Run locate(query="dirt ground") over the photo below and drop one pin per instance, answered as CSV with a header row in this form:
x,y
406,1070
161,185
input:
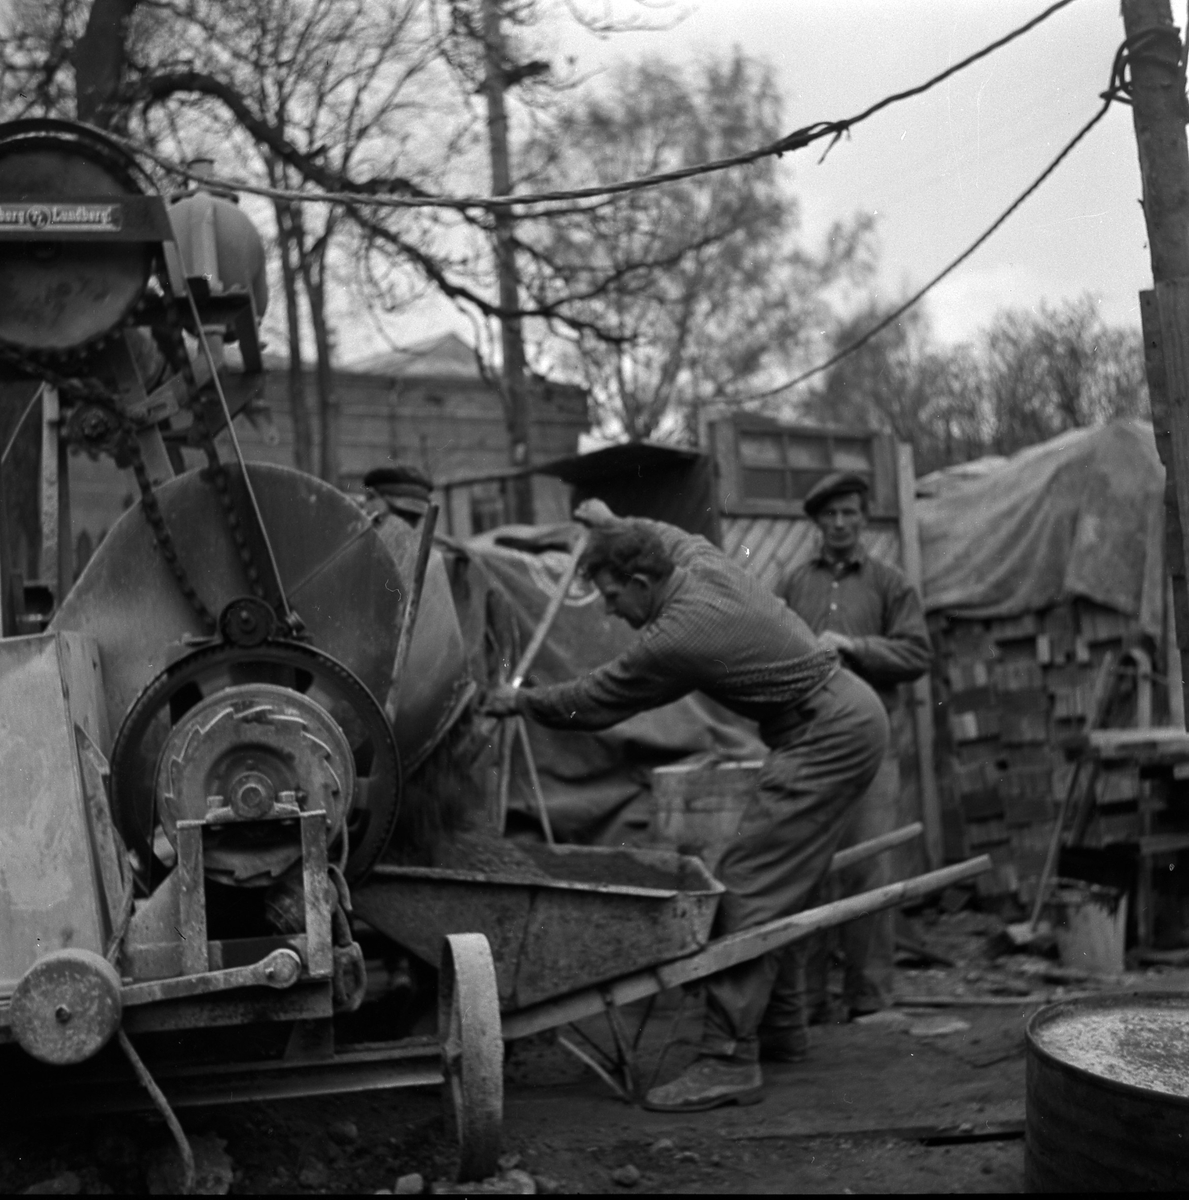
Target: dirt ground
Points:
x,y
922,1098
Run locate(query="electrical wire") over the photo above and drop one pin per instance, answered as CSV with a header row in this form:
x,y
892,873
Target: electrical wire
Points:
x,y
798,139
919,295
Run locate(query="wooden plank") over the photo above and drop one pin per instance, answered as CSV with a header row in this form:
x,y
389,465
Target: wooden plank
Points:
x,y
192,898
319,895
1164,843
50,494
1167,738
1174,543
922,689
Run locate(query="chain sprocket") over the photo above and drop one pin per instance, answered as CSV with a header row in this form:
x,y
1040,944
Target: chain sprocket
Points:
x,y
89,389
143,733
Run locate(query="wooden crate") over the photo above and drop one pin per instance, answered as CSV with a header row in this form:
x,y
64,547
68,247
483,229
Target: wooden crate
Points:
x,y
1118,784
1018,675
981,834
967,674
697,804
1014,629
1097,624
1024,717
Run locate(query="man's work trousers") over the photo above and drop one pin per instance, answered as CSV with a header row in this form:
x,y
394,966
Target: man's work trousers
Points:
x,y
806,792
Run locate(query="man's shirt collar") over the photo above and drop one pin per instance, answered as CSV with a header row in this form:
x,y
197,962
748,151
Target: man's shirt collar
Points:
x,y
855,562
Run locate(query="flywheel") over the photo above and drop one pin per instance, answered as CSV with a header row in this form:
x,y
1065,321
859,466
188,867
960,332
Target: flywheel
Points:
x,y
207,695
59,297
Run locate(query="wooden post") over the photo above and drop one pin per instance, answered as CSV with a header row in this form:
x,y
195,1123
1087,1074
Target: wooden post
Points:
x,y
516,394
922,689
1159,111
51,520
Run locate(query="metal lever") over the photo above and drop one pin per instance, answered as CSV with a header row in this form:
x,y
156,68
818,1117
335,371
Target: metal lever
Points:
x,y
280,969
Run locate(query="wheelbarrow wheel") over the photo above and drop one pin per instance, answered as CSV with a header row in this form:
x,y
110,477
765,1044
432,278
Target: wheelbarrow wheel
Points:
x,y
472,1051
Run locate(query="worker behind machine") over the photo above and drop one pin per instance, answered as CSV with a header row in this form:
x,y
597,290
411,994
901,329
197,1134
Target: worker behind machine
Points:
x,y
869,612
403,490
710,626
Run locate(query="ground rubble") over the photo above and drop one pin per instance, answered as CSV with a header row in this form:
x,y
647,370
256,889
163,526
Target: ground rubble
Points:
x,y
925,1096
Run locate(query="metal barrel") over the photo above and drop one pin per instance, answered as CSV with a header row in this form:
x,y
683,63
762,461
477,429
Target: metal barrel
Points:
x,y
1108,1095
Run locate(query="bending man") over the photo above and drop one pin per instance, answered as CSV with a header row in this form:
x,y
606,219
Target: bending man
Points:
x,y
707,625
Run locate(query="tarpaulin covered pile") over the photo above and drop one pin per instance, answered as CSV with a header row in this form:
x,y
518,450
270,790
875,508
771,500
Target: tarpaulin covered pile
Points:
x,y
1079,516
597,783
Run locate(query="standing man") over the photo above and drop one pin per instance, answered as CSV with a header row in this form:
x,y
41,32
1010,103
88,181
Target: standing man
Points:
x,y
870,613
708,625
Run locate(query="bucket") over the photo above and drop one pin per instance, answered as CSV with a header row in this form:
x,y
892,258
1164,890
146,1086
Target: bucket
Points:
x,y
1090,922
698,803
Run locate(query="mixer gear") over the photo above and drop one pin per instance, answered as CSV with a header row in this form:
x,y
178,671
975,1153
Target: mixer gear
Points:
x,y
215,672
246,753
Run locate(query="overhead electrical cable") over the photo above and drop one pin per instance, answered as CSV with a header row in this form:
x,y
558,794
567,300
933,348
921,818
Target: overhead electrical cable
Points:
x,y
1116,91
798,139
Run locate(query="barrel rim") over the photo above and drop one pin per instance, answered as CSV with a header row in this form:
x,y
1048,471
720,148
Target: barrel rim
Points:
x,y
1051,1012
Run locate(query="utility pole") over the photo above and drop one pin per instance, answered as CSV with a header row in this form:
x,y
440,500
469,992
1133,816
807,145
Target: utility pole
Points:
x,y
516,396
1160,111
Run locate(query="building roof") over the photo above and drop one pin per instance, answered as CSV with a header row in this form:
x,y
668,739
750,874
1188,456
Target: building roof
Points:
x,y
445,355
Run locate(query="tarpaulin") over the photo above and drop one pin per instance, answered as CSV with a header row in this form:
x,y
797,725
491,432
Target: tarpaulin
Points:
x,y
597,783
1081,515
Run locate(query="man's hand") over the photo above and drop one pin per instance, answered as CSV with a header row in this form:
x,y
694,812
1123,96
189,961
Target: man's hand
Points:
x,y
836,641
594,514
501,701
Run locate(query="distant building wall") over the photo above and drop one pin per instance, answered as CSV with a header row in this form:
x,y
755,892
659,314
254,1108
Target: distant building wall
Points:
x,y
449,427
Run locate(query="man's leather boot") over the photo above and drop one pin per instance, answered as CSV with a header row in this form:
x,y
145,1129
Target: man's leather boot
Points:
x,y
708,1083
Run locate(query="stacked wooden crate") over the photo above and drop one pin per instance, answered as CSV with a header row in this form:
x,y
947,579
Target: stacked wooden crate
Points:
x,y
1009,692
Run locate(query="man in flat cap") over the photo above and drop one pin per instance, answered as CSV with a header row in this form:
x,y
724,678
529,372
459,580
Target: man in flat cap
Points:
x,y
869,612
403,490
707,624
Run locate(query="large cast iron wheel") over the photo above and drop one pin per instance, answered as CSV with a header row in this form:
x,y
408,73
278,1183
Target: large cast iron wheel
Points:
x,y
472,1051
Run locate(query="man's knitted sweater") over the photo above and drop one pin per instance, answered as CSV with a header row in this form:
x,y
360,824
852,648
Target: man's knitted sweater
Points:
x,y
717,630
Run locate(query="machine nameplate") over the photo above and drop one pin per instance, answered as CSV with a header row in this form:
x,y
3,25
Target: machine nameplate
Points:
x,y
64,218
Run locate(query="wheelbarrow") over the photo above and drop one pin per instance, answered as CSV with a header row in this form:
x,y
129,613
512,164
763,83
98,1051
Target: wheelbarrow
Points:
x,y
568,945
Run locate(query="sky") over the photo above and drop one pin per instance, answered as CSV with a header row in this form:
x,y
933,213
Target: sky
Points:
x,y
936,170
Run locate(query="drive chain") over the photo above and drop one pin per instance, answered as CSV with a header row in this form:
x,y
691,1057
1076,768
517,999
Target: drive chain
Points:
x,y
93,391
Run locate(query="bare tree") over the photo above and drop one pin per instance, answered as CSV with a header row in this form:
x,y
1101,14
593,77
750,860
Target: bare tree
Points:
x,y
676,296
308,92
1026,378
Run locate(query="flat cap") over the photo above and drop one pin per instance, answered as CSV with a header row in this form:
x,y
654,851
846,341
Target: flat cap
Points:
x,y
400,480
838,483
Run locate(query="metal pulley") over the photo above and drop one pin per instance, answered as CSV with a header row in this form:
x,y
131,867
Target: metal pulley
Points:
x,y
66,1007
245,753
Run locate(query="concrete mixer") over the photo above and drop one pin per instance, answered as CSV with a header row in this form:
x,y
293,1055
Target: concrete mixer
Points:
x,y
196,760
208,843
